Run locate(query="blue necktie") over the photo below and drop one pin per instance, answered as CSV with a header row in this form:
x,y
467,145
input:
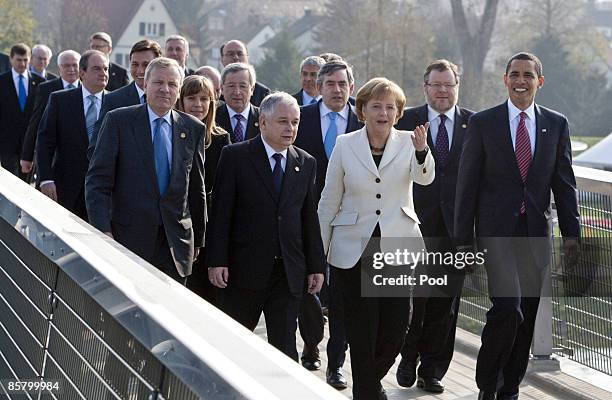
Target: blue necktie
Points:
x,y
330,135
91,116
162,164
70,86
238,131
23,97
313,100
277,173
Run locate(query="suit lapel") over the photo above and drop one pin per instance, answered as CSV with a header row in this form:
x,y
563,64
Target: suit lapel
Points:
x,y
422,117
179,134
504,141
459,128
352,123
259,157
317,133
253,124
542,127
293,169
392,148
224,120
361,148
32,86
144,143
78,109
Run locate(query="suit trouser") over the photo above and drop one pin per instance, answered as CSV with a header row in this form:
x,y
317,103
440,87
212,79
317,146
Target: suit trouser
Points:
x,y
279,306
507,335
431,332
163,260
375,328
336,344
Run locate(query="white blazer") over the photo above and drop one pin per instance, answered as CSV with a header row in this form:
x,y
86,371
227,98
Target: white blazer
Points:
x,y
357,196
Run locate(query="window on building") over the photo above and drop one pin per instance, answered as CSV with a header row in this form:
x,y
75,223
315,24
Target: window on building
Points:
x,y
141,31
162,29
119,58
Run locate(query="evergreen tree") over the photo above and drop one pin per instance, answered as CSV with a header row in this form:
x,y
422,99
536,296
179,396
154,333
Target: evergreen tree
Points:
x,y
280,68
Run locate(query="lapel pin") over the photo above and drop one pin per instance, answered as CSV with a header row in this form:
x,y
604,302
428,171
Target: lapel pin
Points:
x,y
297,169
424,170
543,130
183,135
464,126
256,123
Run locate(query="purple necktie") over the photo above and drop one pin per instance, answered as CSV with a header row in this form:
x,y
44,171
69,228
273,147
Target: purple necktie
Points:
x,y
238,130
522,149
442,142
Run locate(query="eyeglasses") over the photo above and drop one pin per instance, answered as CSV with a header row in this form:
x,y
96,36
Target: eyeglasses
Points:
x,y
438,86
233,54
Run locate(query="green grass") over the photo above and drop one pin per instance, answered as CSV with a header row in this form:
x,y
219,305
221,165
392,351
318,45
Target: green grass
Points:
x,y
589,140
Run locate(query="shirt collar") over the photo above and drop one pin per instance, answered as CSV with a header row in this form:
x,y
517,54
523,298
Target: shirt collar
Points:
x,y
86,94
244,113
66,83
153,116
270,151
139,91
306,98
433,114
324,111
43,73
16,75
514,112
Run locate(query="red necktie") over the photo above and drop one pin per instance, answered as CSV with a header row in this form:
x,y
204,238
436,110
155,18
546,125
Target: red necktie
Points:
x,y
522,150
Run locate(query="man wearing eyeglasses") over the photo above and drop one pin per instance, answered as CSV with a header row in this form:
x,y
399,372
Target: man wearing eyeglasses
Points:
x,y
431,334
234,51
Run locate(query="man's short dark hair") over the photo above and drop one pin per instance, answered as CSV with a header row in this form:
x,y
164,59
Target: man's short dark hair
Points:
x,y
333,66
146,45
529,57
21,49
84,61
441,65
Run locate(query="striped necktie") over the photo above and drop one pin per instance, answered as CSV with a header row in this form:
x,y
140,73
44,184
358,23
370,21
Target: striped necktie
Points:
x,y
522,149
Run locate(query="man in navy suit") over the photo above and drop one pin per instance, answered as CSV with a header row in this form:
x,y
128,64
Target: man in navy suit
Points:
x,y
265,250
514,155
18,89
41,57
431,335
234,51
68,63
117,75
64,134
145,183
320,123
238,115
141,54
309,68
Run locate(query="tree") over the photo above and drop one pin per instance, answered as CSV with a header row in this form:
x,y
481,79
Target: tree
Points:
x,y
474,44
16,23
79,20
280,68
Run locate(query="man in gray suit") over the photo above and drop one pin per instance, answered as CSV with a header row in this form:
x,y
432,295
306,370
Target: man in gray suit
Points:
x,y
145,183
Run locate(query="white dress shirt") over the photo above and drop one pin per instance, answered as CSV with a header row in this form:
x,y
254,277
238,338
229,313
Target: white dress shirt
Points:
x,y
244,113
26,80
306,98
270,151
165,130
434,123
341,119
139,91
530,123
86,101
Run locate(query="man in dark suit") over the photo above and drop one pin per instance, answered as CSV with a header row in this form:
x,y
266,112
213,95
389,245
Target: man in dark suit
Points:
x,y
309,68
234,51
141,54
145,183
335,84
431,334
41,57
5,63
68,63
513,156
238,115
64,134
177,48
265,246
117,75
18,88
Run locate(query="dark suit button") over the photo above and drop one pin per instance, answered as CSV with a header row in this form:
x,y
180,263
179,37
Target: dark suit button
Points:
x,y
377,212
441,202
516,214
377,180
442,174
378,196
279,218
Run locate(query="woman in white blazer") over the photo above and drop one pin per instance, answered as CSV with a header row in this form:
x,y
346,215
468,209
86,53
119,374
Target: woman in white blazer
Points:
x,y
368,194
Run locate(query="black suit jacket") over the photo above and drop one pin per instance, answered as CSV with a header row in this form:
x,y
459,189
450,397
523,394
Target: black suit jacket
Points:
x,y
123,97
61,150
310,138
46,76
44,91
248,222
298,97
435,202
13,121
122,193
117,77
5,63
490,190
213,153
222,119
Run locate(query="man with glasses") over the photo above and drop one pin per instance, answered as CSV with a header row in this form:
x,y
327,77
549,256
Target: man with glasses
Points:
x,y
235,51
238,115
68,63
117,75
431,334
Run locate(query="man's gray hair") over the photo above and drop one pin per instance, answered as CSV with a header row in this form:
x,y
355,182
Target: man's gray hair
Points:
x,y
181,38
164,62
42,47
273,100
206,70
333,66
312,61
65,53
237,67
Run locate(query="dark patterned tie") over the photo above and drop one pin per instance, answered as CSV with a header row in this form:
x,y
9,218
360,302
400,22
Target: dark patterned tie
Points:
x,y
277,173
238,130
442,142
522,149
